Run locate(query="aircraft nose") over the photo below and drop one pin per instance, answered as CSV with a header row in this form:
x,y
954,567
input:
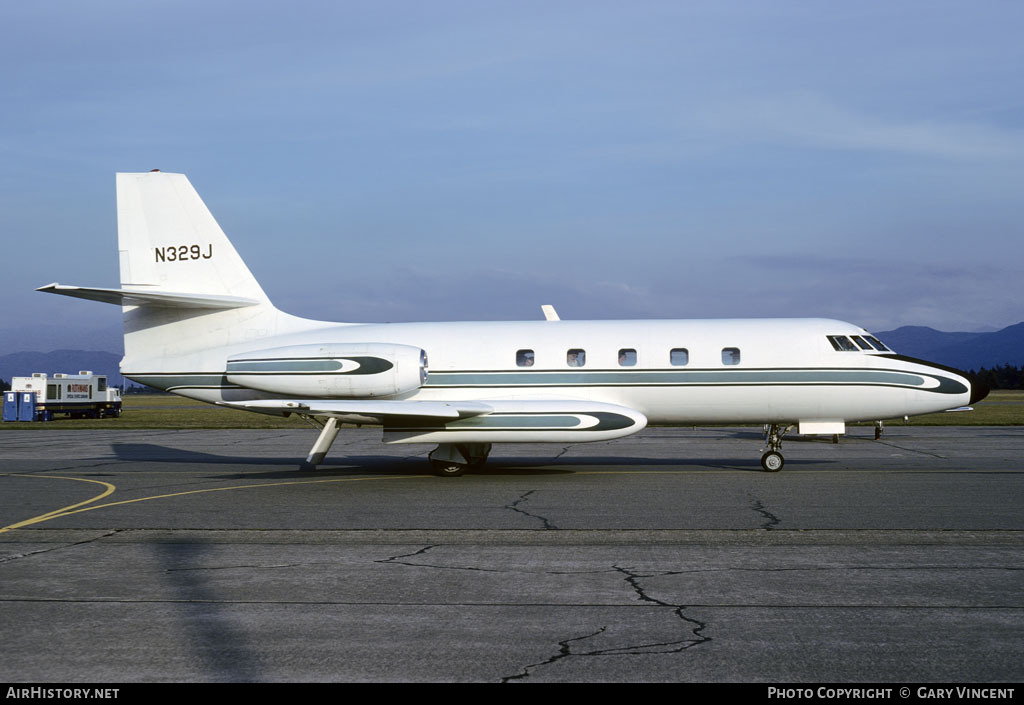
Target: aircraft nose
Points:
x,y
979,390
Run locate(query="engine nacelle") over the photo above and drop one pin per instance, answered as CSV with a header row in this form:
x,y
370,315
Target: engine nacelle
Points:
x,y
331,370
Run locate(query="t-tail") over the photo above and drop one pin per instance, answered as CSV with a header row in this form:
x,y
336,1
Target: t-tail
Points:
x,y
185,291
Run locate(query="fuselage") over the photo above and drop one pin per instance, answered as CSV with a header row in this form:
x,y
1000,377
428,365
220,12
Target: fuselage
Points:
x,y
672,371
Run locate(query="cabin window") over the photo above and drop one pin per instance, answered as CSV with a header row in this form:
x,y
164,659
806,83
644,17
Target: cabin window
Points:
x,y
842,343
52,391
876,343
860,342
576,357
679,357
627,357
730,356
524,358
101,384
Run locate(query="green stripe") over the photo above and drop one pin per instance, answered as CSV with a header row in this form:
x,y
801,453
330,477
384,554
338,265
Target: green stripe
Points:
x,y
682,378
366,366
284,366
558,378
891,378
520,421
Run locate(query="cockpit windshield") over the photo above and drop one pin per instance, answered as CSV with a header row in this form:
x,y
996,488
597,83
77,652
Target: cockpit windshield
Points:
x,y
856,343
876,343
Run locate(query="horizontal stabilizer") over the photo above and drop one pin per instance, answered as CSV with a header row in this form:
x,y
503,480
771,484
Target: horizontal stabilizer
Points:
x,y
135,297
369,408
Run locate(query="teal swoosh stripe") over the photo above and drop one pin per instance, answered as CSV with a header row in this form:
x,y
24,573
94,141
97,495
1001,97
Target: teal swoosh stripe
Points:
x,y
284,366
367,366
521,421
680,377
891,378
518,421
947,385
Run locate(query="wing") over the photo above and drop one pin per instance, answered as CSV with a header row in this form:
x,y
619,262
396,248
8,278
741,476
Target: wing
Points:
x,y
366,411
471,421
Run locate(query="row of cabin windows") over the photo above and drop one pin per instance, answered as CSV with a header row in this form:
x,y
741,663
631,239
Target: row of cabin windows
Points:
x,y
843,343
577,357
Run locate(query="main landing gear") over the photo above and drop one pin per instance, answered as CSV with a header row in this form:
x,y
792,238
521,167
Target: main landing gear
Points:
x,y
328,432
453,459
447,460
772,460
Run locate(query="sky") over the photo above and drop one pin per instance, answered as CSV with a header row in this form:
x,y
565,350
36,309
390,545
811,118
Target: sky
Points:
x,y
441,160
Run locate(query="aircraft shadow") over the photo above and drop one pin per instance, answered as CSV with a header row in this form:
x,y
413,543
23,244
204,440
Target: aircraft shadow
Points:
x,y
505,465
346,466
152,453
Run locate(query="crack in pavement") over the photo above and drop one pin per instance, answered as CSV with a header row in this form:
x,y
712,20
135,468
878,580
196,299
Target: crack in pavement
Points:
x,y
70,468
772,520
522,498
16,556
395,560
565,650
909,450
562,452
634,580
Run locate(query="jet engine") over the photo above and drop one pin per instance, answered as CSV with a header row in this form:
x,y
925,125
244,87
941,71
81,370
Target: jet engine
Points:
x,y
331,370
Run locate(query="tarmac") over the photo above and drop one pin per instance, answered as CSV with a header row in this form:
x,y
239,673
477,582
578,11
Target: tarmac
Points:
x,y
667,556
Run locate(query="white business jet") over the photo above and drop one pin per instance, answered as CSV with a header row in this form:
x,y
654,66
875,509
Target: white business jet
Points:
x,y
197,323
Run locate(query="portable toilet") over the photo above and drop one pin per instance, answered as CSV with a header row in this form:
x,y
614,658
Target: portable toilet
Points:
x,y
10,406
26,406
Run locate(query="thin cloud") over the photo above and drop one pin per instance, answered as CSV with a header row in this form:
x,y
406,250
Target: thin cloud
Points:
x,y
814,121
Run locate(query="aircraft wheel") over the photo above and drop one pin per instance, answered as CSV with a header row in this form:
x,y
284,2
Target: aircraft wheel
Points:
x,y
445,468
772,461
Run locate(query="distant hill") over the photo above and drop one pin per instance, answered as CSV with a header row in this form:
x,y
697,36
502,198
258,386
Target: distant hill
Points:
x,y
965,351
40,336
23,364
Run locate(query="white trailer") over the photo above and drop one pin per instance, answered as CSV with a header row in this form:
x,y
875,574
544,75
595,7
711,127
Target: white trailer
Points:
x,y
41,397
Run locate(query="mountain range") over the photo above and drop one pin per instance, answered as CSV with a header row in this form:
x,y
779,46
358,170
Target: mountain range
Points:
x,y
965,351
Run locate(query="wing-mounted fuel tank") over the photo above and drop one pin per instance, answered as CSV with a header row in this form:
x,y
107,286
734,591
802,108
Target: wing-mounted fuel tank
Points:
x,y
341,370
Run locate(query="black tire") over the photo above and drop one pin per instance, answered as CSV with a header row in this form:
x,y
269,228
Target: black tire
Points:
x,y
772,461
444,468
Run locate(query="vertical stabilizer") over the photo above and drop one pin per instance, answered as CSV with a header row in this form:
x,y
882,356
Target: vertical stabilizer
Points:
x,y
169,244
168,240
188,300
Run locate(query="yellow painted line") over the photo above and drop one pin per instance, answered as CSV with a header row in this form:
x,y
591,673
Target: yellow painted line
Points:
x,y
78,508
59,512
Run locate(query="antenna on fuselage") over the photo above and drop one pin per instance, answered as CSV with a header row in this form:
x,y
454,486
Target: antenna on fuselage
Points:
x,y
550,314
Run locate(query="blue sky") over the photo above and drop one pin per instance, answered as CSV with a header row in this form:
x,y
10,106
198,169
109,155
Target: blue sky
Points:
x,y
394,161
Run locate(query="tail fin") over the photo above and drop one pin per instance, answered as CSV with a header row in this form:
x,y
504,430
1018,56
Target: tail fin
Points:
x,y
187,298
169,242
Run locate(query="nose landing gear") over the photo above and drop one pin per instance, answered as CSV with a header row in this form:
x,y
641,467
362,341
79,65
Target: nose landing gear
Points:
x,y
772,460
